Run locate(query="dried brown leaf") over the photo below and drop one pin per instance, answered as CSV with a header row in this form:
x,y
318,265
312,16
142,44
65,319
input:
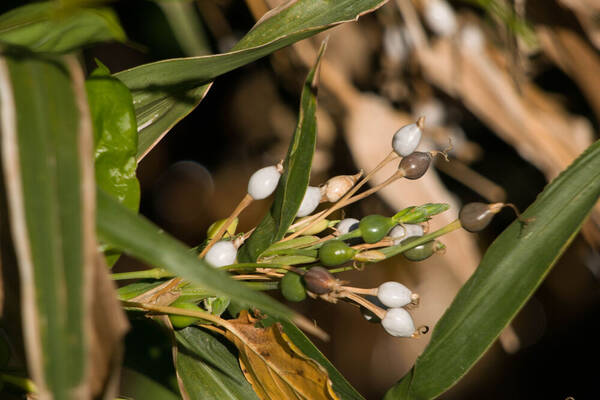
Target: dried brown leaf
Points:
x,y
274,366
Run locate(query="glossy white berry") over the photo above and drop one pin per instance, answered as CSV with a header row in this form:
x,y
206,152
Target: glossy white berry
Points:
x,y
405,231
222,253
394,294
440,17
311,200
263,182
347,225
406,139
398,322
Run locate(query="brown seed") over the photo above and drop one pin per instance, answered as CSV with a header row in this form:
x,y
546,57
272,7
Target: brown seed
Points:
x,y
319,280
474,217
414,165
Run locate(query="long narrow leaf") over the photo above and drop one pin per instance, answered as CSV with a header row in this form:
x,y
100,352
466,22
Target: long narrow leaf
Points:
x,y
208,369
511,270
50,27
47,162
294,180
134,235
166,91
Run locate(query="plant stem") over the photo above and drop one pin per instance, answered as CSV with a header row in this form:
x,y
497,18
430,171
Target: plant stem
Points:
x,y
237,211
154,273
19,381
365,303
344,200
395,250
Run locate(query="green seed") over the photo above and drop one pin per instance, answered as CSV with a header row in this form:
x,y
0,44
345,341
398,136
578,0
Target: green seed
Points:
x,y
292,288
420,252
373,228
182,321
335,252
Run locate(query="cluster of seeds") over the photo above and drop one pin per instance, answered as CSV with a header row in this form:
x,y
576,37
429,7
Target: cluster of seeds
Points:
x,y
304,264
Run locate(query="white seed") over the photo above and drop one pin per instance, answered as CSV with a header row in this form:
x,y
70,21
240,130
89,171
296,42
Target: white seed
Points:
x,y
394,294
347,225
406,139
311,200
440,17
263,182
222,253
398,322
405,231
336,187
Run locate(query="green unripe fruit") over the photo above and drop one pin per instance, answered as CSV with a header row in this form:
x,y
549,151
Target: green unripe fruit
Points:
x,y
292,288
420,252
373,228
182,321
335,252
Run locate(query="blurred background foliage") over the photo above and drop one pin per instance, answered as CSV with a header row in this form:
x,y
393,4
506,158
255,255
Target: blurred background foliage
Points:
x,y
530,78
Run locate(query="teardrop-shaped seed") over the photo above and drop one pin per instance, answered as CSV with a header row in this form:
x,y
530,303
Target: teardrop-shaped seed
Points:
x,y
475,217
415,165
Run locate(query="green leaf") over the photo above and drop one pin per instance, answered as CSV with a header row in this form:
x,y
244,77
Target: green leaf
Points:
x,y
135,385
48,27
115,136
340,385
208,369
115,141
166,91
47,160
138,237
511,270
294,181
186,25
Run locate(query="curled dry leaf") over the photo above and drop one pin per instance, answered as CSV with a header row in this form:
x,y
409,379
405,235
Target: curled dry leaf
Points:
x,y
274,366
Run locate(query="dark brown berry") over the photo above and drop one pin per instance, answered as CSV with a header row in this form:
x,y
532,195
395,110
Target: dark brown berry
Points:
x,y
414,165
319,280
474,217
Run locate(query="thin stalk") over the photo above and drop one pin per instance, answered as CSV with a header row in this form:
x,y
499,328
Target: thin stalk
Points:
x,y
397,175
21,382
154,273
246,201
343,201
251,277
299,320
251,266
368,292
395,250
365,303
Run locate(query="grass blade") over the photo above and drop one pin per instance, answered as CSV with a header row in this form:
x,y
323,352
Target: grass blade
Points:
x,y
511,270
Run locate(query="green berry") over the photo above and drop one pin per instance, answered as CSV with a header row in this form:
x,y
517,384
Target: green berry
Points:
x,y
335,252
420,252
292,288
373,228
182,321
